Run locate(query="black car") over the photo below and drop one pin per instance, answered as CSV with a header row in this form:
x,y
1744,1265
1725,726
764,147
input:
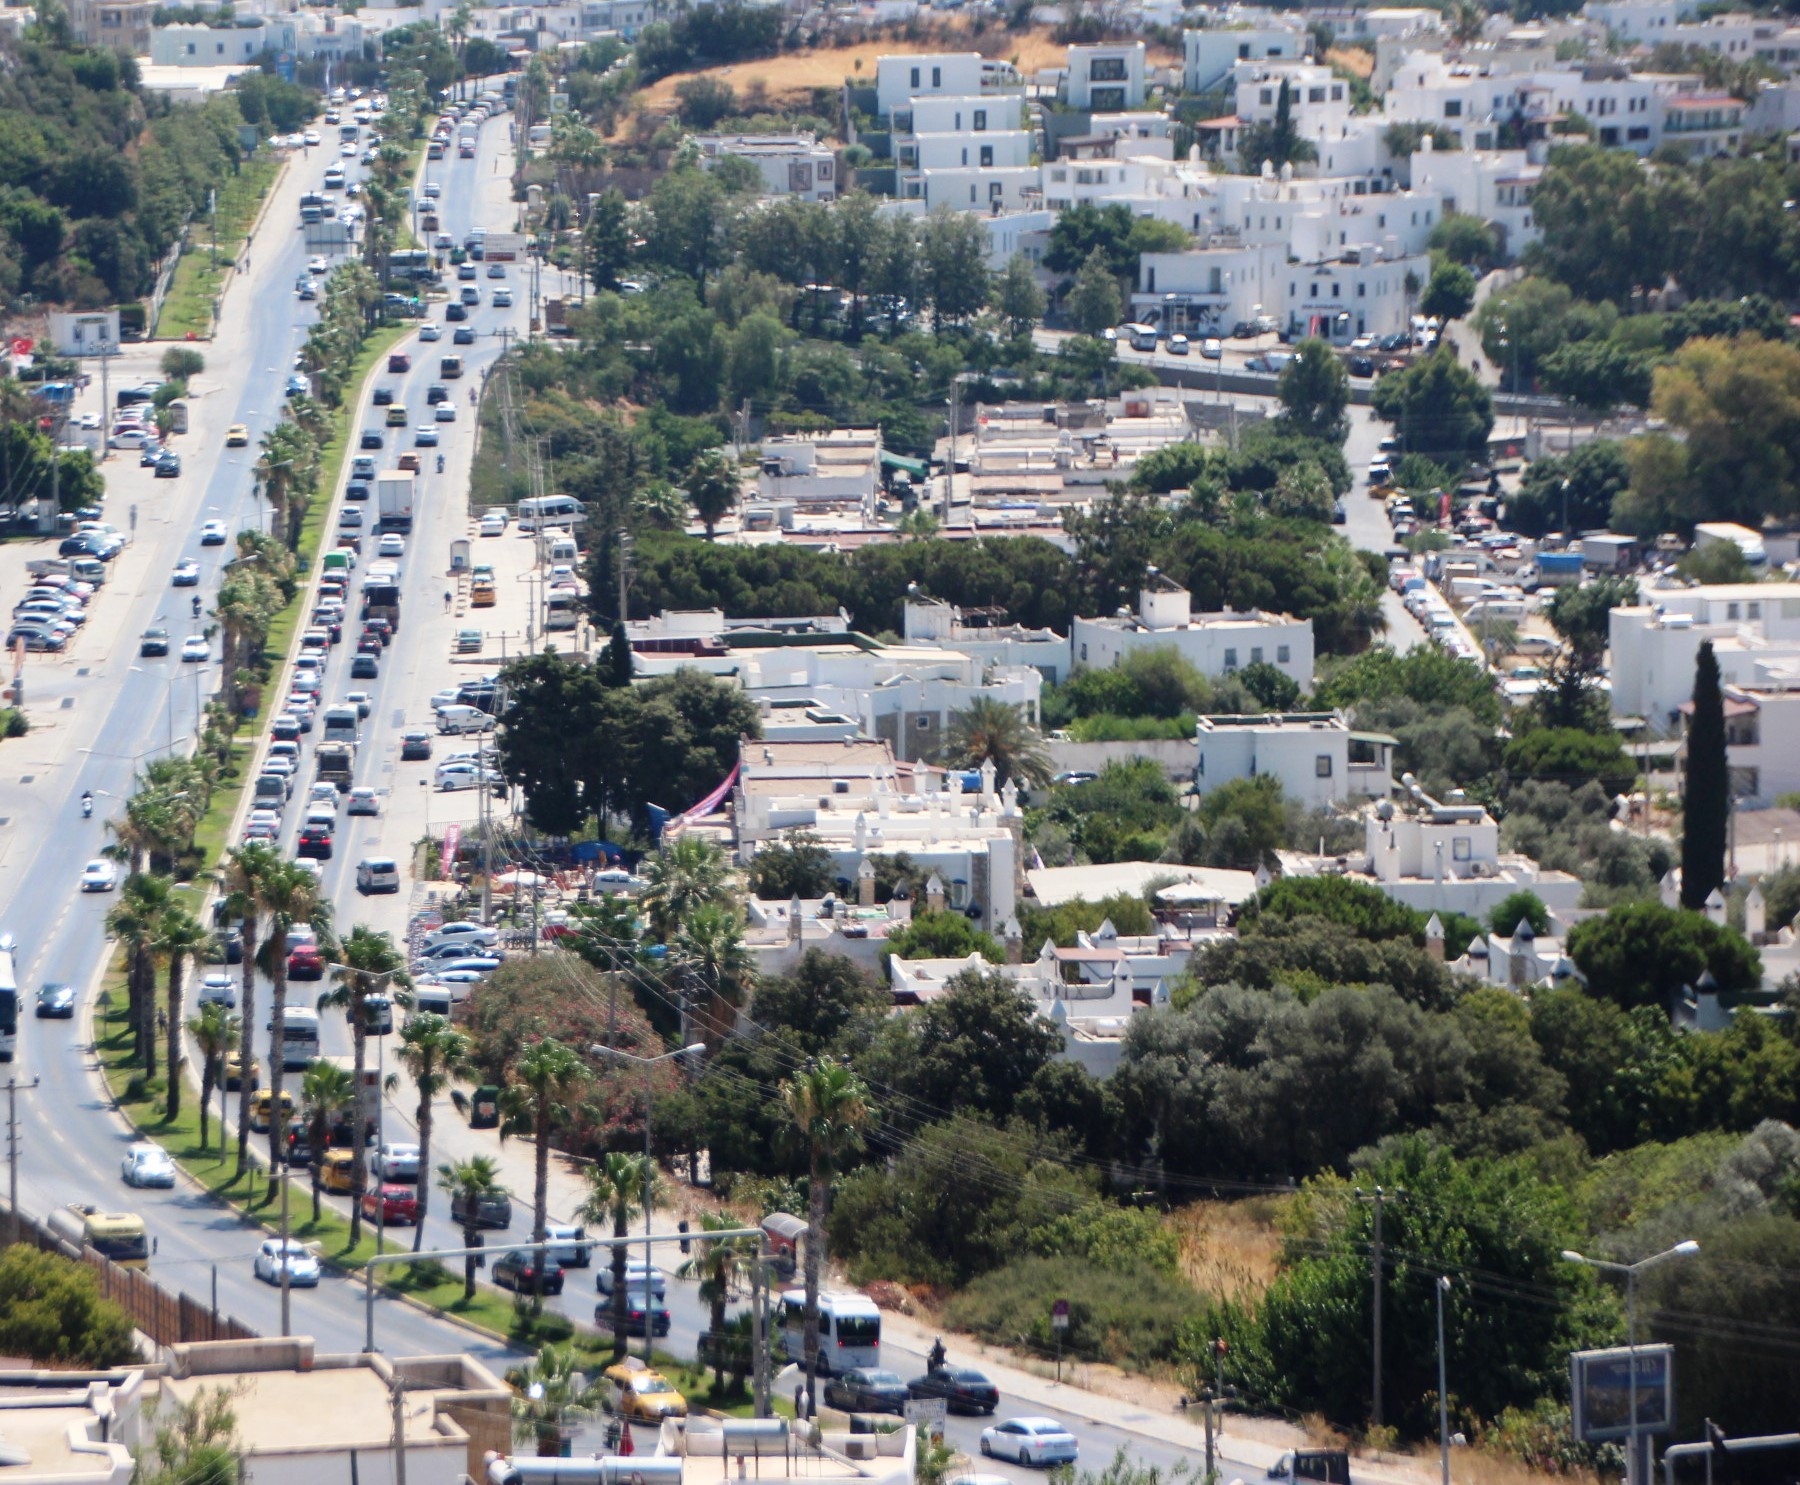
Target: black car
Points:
x,y
356,490
371,438
384,396
168,467
154,642
520,1272
492,1211
635,1315
1361,366
437,392
364,667
415,745
865,1389
56,1000
315,841
962,1388
463,336
484,698
455,312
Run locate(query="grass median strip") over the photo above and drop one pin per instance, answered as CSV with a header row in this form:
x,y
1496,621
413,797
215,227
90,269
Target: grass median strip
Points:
x,y
187,308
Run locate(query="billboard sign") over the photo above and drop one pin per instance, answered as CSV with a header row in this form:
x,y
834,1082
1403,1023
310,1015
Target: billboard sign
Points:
x,y
1602,1392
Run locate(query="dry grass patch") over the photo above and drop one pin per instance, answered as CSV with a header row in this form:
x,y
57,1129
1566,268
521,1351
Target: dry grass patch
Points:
x,y
1229,1248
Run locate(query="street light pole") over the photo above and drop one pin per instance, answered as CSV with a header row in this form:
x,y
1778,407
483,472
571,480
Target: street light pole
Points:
x,y
1443,1288
1634,1466
647,1063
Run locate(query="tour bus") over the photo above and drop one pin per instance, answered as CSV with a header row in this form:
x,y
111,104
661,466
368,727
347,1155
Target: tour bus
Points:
x,y
9,998
300,1037
849,1330
540,512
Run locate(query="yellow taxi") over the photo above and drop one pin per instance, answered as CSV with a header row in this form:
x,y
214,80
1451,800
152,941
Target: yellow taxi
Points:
x,y
260,1105
236,436
635,1392
337,1169
482,593
234,1071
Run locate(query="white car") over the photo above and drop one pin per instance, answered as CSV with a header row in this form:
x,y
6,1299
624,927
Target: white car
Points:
x,y
218,988
396,1161
493,524
196,647
462,932
430,331
635,1275
299,1261
99,875
468,776
316,265
147,1165
365,802
1037,1441
391,545
212,534
311,136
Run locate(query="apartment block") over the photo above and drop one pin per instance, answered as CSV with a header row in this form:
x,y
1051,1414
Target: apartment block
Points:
x,y
1214,643
1315,756
1105,79
1208,56
791,164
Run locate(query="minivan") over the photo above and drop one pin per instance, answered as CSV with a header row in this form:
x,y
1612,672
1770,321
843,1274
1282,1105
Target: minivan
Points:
x,y
562,548
271,791
377,874
461,719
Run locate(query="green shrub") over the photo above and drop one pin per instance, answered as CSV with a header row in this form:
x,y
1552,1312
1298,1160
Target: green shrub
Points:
x,y
51,1312
1132,1314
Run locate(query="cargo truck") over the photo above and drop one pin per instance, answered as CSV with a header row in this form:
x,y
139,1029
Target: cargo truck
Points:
x,y
381,600
336,764
394,500
556,317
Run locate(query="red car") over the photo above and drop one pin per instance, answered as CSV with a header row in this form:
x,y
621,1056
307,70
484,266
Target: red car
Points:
x,y
399,361
399,1204
305,962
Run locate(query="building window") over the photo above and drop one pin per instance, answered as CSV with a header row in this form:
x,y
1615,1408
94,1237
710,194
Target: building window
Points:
x,y
922,723
987,155
915,77
1731,611
1281,654
981,118
1106,69
1084,654
1453,108
1315,95
1461,848
1753,611
1322,766
937,77
1256,655
1231,659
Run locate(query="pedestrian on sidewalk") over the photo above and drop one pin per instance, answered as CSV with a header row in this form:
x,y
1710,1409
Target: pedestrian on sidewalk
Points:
x,y
447,600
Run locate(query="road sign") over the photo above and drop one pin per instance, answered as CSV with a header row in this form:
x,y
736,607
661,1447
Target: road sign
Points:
x,y
1059,1315
1602,1392
928,1414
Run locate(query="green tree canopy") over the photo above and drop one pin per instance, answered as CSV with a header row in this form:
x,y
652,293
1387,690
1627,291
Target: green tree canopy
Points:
x,y
1314,391
1642,953
1437,408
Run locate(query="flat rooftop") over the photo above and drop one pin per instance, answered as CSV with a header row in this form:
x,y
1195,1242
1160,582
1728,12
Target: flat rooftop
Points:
x,y
332,1407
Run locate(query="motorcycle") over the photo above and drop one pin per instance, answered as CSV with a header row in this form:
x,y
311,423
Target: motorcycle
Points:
x,y
196,607
440,464
87,806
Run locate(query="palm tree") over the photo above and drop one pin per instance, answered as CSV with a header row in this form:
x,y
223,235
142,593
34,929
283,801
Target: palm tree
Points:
x,y
180,936
991,730
291,896
550,1393
213,1029
242,879
435,1054
326,1090
545,1074
133,921
682,877
828,1106
615,1195
709,948
367,959
469,1181
716,1265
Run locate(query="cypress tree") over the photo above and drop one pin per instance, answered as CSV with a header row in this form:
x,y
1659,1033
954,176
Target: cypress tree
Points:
x,y
1706,806
618,658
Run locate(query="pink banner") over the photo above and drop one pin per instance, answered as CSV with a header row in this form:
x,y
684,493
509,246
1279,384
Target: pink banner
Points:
x,y
712,800
452,839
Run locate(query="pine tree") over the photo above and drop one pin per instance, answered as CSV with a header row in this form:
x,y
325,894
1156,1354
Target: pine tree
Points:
x,y
618,658
1706,807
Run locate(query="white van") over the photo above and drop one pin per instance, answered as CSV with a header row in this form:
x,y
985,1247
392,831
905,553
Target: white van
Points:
x,y
562,548
377,874
462,719
541,511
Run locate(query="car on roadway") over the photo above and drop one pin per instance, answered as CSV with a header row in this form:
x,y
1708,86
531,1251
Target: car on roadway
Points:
x,y
493,524
445,412
392,1206
56,1000
429,331
147,1165
961,1388
866,1389
297,385
306,962
467,271
362,468
395,416
641,1313
391,545
1211,348
528,1273
641,1395
496,270
237,436
219,988
364,802
186,574
212,534
503,299
364,667
455,313
465,335
1032,1441
372,438
314,841
396,1160
168,467
310,137
277,1255
1176,345
153,642
196,647
99,875
317,265
425,436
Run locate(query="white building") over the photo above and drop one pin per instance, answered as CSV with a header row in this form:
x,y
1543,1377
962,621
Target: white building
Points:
x,y
1105,78
1755,634
1209,56
1214,643
840,468
899,80
1314,756
1494,185
1762,735
1318,99
1646,21
985,636
791,164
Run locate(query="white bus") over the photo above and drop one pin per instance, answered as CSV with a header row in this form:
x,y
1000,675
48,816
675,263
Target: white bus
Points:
x,y
9,998
300,1037
849,1330
1142,337
540,512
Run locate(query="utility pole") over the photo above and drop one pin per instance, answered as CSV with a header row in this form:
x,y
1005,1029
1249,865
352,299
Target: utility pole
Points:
x,y
1443,1288
399,1393
1377,1198
624,569
286,1328
13,1085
